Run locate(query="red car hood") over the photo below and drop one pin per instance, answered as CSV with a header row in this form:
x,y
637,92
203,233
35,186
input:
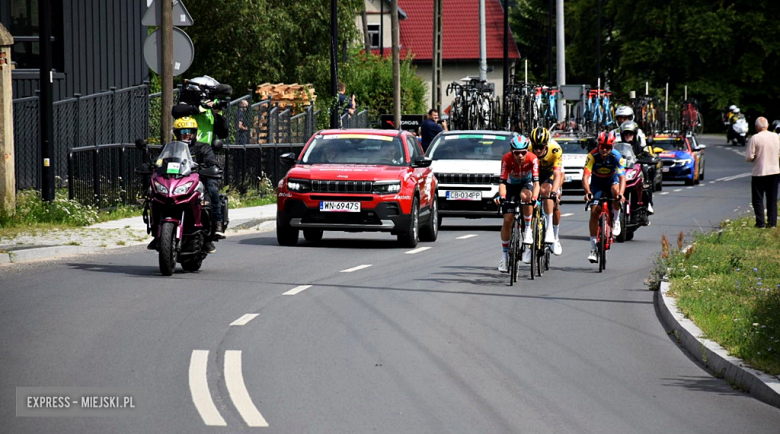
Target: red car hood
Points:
x,y
347,172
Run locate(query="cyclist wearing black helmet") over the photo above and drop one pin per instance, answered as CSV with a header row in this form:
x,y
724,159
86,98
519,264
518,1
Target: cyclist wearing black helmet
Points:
x,y
550,157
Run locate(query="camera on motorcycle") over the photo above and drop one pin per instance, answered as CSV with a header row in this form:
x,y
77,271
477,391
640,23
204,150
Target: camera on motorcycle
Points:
x,y
140,144
217,145
288,158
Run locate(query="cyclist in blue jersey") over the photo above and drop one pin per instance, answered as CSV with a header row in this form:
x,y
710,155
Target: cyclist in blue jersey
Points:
x,y
607,168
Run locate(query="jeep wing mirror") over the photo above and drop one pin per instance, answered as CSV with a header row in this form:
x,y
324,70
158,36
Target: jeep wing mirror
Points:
x,y
288,158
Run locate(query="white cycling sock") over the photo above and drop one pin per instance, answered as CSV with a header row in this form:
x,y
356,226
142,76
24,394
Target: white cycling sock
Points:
x,y
615,215
549,220
593,243
555,231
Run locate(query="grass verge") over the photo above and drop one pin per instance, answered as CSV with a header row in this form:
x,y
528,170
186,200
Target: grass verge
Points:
x,y
728,284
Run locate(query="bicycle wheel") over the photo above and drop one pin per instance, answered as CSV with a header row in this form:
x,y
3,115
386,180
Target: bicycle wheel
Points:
x,y
602,242
533,248
539,244
514,251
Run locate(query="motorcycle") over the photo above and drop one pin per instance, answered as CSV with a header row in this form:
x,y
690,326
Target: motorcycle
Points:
x,y
737,132
177,206
635,213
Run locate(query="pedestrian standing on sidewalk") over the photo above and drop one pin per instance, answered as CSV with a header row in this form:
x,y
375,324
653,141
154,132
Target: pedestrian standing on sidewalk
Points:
x,y
763,150
430,128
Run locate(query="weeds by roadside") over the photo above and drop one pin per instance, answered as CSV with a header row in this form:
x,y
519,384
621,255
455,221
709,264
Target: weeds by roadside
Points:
x,y
728,283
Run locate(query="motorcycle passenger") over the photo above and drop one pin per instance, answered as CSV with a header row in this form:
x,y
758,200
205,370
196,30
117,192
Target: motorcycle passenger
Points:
x,y
734,115
776,126
606,165
185,130
550,157
207,113
628,134
624,114
519,179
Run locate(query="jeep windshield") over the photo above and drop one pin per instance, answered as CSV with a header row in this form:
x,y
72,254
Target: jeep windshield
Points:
x,y
354,149
469,147
573,147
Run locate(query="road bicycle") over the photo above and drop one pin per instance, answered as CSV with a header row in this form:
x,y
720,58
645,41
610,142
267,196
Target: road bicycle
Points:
x,y
604,237
516,246
540,256
691,117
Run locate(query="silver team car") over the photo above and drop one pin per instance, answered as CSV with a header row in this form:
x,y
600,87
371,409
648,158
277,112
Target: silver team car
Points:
x,y
467,165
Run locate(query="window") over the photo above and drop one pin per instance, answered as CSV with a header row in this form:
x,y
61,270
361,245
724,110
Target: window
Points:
x,y
373,34
23,25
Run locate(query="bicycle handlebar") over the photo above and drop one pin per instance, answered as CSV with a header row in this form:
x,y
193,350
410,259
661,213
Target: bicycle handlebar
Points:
x,y
601,199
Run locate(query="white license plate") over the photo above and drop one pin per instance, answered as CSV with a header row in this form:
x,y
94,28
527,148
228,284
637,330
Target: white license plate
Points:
x,y
464,195
665,169
340,206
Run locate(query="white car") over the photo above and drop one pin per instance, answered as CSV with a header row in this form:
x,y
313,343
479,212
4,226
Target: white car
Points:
x,y
467,165
575,152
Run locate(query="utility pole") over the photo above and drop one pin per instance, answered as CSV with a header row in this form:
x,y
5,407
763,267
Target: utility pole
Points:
x,y
482,43
396,65
598,40
436,56
506,55
167,71
561,51
550,12
382,28
45,102
334,68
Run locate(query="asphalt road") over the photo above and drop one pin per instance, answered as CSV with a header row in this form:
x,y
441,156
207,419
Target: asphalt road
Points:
x,y
428,342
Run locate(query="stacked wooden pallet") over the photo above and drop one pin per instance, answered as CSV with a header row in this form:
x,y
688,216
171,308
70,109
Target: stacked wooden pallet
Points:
x,y
295,96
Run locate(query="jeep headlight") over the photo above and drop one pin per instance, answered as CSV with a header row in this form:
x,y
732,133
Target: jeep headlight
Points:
x,y
298,185
387,187
160,188
182,188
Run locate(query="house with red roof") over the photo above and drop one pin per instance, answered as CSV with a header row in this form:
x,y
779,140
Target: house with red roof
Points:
x,y
460,38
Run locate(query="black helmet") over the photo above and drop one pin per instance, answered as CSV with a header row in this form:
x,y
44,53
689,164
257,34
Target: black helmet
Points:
x,y
776,126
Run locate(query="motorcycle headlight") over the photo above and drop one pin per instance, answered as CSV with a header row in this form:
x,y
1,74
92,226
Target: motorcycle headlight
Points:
x,y
299,185
160,188
182,188
387,187
630,176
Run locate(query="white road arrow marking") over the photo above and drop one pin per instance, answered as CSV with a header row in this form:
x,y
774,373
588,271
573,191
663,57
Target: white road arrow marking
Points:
x,y
359,267
297,289
234,379
244,319
199,389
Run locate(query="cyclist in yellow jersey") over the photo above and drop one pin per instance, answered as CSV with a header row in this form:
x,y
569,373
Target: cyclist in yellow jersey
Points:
x,y
551,176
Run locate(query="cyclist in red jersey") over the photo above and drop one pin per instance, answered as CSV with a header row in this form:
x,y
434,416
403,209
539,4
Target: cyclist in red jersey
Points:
x,y
519,179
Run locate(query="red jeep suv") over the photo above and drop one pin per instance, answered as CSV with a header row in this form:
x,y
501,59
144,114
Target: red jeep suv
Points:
x,y
356,181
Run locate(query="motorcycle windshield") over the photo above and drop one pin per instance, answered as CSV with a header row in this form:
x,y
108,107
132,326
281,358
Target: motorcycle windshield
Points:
x,y
174,160
627,152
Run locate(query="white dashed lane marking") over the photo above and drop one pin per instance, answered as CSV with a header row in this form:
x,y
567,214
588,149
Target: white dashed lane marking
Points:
x,y
568,214
297,289
359,267
244,319
666,192
465,237
234,379
418,250
677,189
199,389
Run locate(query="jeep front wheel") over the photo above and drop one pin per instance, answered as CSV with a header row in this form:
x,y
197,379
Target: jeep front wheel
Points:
x,y
411,236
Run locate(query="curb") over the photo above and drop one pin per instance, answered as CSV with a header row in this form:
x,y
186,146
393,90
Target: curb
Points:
x,y
763,387
55,252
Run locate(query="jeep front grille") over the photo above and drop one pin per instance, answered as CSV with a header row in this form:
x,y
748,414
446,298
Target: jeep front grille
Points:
x,y
467,178
342,186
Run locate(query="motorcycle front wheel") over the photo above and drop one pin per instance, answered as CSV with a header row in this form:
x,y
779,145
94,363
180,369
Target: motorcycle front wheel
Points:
x,y
167,256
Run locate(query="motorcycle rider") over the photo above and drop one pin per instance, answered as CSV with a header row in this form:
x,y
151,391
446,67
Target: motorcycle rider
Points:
x,y
624,114
735,115
185,130
776,126
629,134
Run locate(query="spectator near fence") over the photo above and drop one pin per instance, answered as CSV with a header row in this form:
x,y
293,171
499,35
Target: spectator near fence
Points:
x,y
244,119
763,150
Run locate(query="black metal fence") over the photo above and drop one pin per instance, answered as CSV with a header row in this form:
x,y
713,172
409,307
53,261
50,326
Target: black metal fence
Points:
x,y
85,124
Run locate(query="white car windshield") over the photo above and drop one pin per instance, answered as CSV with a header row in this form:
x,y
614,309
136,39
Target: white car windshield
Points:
x,y
355,149
469,147
572,147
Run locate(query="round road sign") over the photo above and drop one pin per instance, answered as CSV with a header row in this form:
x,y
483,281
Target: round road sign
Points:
x,y
183,51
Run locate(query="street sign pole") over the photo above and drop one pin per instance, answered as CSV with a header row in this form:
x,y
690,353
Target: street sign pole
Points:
x,y
334,69
167,71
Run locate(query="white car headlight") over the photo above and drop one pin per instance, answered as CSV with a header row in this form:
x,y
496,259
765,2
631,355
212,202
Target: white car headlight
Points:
x,y
683,162
160,188
182,188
